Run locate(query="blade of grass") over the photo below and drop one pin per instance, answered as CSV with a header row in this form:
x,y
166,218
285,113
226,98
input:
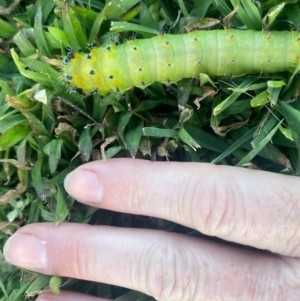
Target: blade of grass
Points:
x,y
258,147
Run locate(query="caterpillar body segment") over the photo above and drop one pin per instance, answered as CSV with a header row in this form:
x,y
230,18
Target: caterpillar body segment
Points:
x,y
168,58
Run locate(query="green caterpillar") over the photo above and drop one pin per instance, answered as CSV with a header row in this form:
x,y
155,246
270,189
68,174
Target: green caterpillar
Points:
x,y
168,58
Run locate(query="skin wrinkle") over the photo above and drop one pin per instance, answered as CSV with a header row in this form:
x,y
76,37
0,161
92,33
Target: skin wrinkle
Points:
x,y
136,268
223,212
153,278
267,236
284,231
200,205
132,194
168,271
237,199
280,289
203,208
132,176
252,228
195,215
173,281
131,271
181,266
293,239
67,266
207,206
186,278
217,209
185,199
191,282
254,289
285,217
171,286
237,203
172,201
294,270
294,242
78,265
196,273
172,269
252,225
139,195
248,276
250,287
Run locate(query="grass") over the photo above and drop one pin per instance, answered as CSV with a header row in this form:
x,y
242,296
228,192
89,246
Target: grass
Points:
x,y
45,131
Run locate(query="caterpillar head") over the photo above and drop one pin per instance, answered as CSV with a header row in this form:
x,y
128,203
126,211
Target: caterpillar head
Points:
x,y
80,72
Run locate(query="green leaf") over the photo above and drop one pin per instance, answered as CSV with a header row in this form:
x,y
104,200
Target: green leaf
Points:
x,y
41,78
146,18
112,151
9,121
287,133
188,139
96,26
59,35
115,8
85,145
61,211
258,147
40,282
293,13
53,151
133,137
124,26
185,87
264,130
242,88
248,13
245,138
274,89
292,118
206,140
260,99
273,13
159,133
183,8
123,122
36,125
39,33
222,7
147,105
7,31
23,43
14,135
37,177
200,8
72,28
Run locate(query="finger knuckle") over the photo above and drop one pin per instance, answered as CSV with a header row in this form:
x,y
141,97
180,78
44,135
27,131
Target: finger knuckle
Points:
x,y
216,203
171,272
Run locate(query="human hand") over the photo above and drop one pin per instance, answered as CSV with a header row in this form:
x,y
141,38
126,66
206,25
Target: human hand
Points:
x,y
250,207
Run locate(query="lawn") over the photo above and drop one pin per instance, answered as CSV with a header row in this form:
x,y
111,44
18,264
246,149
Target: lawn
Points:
x,y
49,125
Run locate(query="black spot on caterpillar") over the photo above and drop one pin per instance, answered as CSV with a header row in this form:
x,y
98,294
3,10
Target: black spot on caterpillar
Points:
x,y
169,58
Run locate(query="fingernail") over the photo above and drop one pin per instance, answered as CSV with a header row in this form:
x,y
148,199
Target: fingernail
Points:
x,y
26,251
84,186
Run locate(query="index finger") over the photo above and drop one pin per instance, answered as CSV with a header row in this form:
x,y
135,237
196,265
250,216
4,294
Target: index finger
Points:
x,y
251,207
